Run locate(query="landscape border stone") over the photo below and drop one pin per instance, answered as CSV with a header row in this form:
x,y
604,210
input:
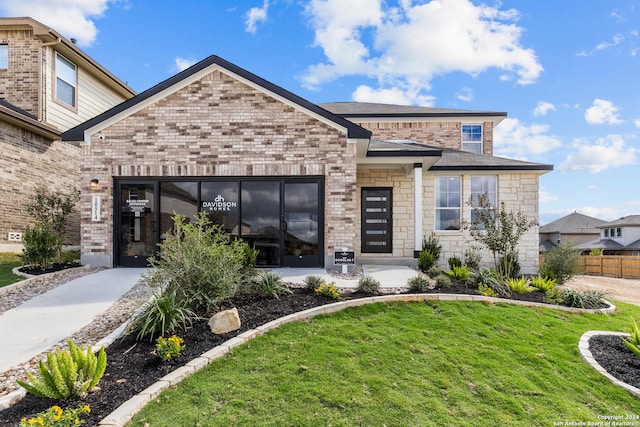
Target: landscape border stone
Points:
x,y
125,412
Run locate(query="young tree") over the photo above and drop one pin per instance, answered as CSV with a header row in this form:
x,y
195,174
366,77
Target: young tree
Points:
x,y
500,231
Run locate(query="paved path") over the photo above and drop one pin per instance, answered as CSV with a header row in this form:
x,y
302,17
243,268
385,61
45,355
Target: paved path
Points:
x,y
625,290
389,276
45,320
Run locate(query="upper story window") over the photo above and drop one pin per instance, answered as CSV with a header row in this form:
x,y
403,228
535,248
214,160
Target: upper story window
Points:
x,y
618,232
606,232
4,56
482,186
66,80
448,202
472,138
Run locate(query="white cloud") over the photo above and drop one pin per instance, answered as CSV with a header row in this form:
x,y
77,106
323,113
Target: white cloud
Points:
x,y
71,18
406,46
542,108
546,197
512,138
465,94
637,123
617,39
256,15
602,112
181,64
605,153
391,96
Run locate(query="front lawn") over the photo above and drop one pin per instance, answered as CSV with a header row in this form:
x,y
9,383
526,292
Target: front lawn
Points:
x,y
400,364
9,261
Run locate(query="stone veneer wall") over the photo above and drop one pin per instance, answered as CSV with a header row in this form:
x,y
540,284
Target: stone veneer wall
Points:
x,y
219,126
19,83
519,192
27,162
434,134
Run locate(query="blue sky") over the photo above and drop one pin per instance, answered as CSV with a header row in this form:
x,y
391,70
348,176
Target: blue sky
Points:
x,y
566,72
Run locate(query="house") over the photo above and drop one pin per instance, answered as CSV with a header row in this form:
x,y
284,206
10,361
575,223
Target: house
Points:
x,y
299,181
47,86
573,229
618,237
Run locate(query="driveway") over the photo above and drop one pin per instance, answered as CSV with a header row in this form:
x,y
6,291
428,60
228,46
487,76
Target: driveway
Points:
x,y
625,290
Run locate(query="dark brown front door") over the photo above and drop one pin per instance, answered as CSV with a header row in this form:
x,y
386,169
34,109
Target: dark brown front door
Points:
x,y
376,220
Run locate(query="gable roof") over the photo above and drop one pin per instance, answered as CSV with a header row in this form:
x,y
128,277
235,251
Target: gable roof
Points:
x,y
629,220
371,109
454,160
78,133
574,223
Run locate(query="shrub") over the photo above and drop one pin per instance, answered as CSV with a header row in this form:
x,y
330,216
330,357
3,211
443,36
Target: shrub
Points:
x,y
368,285
454,261
329,290
426,260
487,279
169,348
313,282
162,315
509,266
543,284
40,245
486,291
473,257
582,298
432,244
561,263
66,373
458,273
271,285
595,252
633,342
57,417
199,262
418,284
519,286
433,272
443,281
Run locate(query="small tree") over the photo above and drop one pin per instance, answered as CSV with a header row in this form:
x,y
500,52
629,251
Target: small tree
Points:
x,y
500,231
51,210
561,263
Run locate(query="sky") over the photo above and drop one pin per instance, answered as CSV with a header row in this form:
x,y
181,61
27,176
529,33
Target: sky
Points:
x,y
566,72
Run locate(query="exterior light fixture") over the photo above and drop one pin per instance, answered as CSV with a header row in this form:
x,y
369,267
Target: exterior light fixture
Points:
x,y
94,183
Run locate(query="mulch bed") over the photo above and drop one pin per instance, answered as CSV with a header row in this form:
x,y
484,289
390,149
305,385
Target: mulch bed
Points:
x,y
614,356
132,366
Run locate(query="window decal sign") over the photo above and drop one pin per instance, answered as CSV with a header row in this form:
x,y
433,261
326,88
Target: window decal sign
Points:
x,y
219,204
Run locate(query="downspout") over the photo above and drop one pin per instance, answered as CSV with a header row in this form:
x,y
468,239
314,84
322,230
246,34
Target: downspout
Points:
x,y
42,90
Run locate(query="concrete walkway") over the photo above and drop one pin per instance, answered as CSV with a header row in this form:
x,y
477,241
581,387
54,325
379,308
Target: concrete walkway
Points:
x,y
36,325
389,276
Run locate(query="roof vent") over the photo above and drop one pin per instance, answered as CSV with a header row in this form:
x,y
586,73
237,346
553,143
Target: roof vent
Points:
x,y
73,41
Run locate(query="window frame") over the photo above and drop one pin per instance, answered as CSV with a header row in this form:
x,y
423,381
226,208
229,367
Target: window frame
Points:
x,y
61,59
439,197
491,192
4,55
474,142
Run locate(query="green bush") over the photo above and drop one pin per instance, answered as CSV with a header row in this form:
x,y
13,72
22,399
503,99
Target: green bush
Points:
x,y
595,252
633,342
329,290
200,263
66,373
581,298
426,260
432,244
443,281
543,284
509,266
270,285
368,285
458,273
487,279
162,315
41,245
418,284
169,348
561,263
313,282
454,261
519,286
473,257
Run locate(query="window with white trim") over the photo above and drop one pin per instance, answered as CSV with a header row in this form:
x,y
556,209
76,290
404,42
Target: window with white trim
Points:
x,y
472,138
448,202
482,186
66,80
4,56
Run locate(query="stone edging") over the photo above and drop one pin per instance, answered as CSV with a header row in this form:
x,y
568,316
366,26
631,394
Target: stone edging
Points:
x,y
125,412
583,346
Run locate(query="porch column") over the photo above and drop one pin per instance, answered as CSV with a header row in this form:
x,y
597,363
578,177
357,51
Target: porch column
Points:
x,y
417,209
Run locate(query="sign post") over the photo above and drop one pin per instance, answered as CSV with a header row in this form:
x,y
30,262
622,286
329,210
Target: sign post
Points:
x,y
344,258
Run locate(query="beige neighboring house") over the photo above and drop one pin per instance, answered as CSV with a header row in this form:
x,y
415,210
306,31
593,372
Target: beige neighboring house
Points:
x,y
301,182
572,229
618,237
47,86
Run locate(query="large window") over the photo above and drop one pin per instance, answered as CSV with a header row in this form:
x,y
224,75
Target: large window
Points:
x,y
482,186
448,202
472,138
66,81
4,56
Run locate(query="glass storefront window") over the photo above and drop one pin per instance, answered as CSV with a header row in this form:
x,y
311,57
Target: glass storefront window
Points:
x,y
178,197
221,201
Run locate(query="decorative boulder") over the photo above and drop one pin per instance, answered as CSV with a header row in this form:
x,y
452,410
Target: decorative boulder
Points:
x,y
225,321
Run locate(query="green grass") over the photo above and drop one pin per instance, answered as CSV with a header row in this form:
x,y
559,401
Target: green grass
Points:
x,y
8,262
419,364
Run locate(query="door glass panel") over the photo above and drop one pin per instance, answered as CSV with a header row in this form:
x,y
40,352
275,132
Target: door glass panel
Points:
x,y
261,219
221,202
137,223
178,197
301,214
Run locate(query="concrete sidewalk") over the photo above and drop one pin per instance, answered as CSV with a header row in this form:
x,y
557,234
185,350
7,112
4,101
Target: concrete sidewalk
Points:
x,y
36,325
389,276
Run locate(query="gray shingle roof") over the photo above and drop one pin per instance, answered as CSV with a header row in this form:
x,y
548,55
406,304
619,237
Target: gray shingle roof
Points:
x,y
370,109
628,220
453,160
600,244
572,224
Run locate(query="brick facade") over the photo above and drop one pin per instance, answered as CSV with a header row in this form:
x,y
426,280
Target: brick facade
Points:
x,y
28,162
19,84
219,126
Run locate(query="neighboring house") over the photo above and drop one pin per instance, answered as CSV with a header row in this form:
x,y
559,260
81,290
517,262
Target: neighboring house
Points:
x,y
297,180
572,229
47,85
619,237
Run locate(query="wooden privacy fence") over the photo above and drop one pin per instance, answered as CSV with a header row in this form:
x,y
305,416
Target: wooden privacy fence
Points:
x,y
625,267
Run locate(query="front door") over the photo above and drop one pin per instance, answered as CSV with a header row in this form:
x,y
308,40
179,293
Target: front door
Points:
x,y
137,224
376,220
301,224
